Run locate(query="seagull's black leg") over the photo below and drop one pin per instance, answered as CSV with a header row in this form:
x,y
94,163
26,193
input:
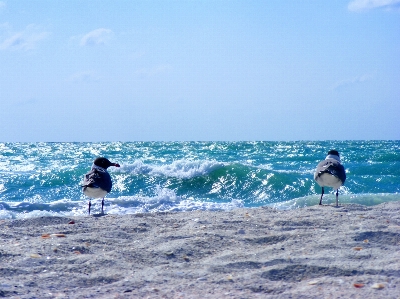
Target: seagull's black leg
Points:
x,y
322,194
90,204
102,205
337,195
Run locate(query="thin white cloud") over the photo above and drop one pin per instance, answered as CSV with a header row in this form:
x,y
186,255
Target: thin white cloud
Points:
x,y
85,76
5,26
96,37
354,80
24,40
361,5
28,102
148,72
137,54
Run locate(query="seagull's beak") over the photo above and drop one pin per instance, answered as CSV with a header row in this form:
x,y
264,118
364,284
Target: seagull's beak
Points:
x,y
115,164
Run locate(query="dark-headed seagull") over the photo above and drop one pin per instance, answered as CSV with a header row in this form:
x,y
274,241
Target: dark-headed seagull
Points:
x,y
97,182
330,173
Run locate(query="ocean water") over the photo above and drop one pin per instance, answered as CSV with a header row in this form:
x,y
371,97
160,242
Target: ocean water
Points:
x,y
43,179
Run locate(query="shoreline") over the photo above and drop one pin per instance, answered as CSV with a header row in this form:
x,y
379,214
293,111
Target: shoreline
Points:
x,y
318,251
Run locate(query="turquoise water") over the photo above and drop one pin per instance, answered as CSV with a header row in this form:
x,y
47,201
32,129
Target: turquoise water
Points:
x,y
39,179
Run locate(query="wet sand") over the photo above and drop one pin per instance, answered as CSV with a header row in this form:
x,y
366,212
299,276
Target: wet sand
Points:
x,y
351,251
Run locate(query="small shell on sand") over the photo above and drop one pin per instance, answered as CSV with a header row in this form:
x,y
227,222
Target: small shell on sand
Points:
x,y
366,241
358,285
313,282
35,256
48,236
59,235
378,286
357,248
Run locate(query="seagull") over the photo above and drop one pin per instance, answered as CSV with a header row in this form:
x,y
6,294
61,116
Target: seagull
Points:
x,y
330,173
97,182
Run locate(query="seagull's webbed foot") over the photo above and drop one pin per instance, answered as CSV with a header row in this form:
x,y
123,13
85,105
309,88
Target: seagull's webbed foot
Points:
x,y
102,206
90,204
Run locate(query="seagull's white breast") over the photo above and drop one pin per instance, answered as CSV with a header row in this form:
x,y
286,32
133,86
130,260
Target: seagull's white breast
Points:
x,y
94,192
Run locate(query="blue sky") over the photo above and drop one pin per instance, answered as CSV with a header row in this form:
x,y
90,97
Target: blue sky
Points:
x,y
187,70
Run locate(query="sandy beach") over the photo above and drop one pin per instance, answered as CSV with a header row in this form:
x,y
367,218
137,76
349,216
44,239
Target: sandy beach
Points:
x,y
350,251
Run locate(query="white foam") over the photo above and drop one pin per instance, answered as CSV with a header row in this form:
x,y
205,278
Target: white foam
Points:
x,y
164,200
183,169
367,199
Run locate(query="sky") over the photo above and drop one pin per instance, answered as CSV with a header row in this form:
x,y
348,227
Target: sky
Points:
x,y
199,70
